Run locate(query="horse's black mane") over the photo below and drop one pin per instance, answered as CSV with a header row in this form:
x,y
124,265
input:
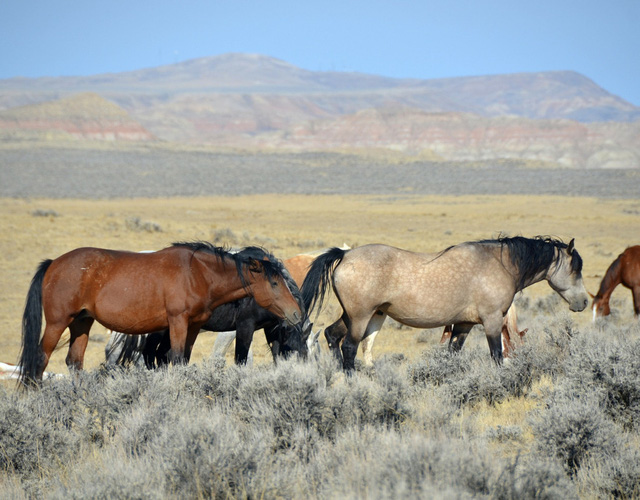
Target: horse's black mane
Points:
x,y
259,253
245,257
533,255
203,246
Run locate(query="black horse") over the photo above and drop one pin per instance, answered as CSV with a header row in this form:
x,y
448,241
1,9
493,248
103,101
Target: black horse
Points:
x,y
244,316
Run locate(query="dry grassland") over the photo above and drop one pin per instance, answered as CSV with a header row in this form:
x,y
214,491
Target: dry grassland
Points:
x,y
33,230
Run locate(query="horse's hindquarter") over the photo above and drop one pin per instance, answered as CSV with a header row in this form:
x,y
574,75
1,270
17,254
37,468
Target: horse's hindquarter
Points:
x,y
298,267
127,291
630,268
423,290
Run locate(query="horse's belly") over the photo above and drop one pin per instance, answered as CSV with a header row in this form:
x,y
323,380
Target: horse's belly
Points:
x,y
132,313
433,317
132,325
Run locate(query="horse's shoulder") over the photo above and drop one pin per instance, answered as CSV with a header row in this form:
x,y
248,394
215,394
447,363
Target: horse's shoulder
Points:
x,y
632,252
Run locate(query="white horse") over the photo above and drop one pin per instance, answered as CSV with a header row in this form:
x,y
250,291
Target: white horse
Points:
x,y
9,371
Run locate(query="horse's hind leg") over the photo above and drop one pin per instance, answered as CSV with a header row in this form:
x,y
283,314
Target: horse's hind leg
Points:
x,y
222,343
458,336
50,338
367,348
446,333
334,335
79,329
374,326
357,331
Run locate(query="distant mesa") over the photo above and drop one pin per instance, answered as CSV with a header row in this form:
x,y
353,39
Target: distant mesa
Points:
x,y
80,116
558,118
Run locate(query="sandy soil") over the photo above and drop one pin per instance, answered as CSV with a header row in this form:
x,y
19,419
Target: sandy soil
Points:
x,y
37,228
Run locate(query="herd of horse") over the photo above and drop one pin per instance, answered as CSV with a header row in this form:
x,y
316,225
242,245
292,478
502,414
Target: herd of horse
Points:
x,y
156,303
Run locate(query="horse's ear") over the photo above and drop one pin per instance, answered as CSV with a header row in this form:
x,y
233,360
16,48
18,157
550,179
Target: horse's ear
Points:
x,y
591,295
255,266
571,246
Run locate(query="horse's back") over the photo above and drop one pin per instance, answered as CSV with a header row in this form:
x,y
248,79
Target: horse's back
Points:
x,y
298,267
630,266
114,287
439,288
101,264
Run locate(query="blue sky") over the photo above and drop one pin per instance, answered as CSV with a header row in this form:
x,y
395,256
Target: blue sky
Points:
x,y
398,38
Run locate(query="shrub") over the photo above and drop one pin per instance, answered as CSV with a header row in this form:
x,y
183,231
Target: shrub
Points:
x,y
138,225
611,369
32,437
616,477
573,429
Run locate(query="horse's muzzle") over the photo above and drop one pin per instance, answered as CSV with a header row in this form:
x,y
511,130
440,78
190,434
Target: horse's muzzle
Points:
x,y
295,319
579,305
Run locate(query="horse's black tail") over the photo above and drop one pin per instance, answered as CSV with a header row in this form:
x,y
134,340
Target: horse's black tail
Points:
x,y
129,350
31,354
123,349
318,279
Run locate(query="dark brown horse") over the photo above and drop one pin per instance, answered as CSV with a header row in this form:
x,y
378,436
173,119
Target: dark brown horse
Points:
x,y
625,271
136,293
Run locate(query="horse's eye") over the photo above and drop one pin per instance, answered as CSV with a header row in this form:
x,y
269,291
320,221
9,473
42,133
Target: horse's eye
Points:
x,y
274,284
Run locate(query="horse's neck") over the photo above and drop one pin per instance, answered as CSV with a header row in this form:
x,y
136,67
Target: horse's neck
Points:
x,y
225,285
612,279
503,256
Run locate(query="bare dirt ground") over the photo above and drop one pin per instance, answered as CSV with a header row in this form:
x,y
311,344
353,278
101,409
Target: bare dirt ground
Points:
x,y
52,201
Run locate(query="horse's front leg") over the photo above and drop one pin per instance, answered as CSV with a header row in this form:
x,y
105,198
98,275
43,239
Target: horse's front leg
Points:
x,y
178,331
493,330
272,334
636,301
192,334
244,337
79,330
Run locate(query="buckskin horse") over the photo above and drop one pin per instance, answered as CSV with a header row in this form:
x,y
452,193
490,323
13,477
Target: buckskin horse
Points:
x,y
338,330
625,271
466,284
136,293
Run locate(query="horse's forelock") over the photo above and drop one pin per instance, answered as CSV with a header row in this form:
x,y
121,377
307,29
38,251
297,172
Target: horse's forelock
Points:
x,y
576,262
270,265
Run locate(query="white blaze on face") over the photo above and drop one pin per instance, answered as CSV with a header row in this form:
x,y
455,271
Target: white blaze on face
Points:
x,y
595,313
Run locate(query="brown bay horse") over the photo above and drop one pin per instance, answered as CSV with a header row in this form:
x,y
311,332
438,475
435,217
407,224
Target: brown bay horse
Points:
x,y
625,271
467,284
136,293
234,321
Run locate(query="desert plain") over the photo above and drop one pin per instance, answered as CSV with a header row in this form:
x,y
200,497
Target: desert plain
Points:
x,y
63,212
